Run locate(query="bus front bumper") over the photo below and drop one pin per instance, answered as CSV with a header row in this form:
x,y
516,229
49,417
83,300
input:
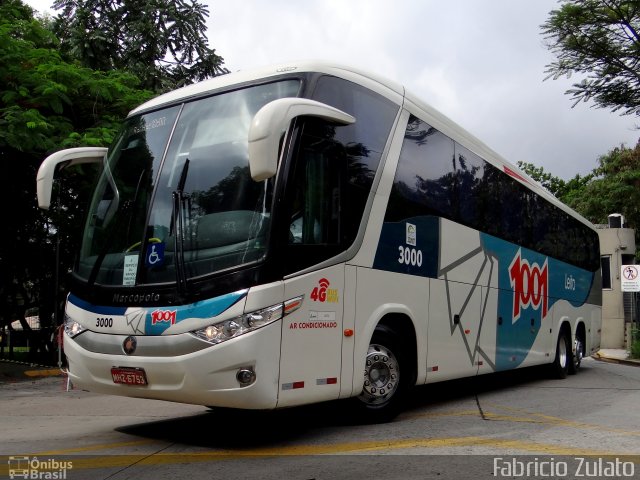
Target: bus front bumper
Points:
x,y
208,376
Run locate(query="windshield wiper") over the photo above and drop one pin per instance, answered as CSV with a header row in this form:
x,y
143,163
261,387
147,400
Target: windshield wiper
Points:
x,y
178,228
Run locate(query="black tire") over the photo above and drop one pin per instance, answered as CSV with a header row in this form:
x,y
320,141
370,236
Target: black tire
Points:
x,y
560,366
388,378
576,356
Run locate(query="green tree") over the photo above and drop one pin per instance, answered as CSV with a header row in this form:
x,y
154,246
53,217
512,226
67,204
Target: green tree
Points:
x,y
46,103
564,190
615,188
600,41
612,187
163,42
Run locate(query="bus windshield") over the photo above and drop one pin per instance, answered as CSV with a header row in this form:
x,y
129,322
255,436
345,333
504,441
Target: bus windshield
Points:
x,y
175,197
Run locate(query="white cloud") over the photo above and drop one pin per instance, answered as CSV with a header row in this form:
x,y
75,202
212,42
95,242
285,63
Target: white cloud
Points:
x,y
481,62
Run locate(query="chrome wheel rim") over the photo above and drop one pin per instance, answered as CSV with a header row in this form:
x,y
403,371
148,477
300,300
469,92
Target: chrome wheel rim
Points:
x,y
381,376
562,353
578,355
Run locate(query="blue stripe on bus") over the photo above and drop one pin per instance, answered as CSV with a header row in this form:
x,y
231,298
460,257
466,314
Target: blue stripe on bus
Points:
x,y
515,334
89,307
209,308
203,309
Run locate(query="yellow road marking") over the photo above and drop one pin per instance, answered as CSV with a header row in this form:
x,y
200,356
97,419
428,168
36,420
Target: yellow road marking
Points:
x,y
43,373
525,417
121,461
551,420
113,460
98,447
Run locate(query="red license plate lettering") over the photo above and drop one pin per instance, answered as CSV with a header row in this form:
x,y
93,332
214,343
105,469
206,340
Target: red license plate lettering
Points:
x,y
129,376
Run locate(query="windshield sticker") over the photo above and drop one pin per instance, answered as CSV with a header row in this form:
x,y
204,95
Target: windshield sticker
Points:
x,y
150,124
154,257
130,269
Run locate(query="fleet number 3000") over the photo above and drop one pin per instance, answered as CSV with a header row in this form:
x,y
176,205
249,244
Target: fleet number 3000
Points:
x,y
410,256
104,322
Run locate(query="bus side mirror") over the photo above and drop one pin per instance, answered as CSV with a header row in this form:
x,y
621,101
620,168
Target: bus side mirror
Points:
x,y
70,156
271,122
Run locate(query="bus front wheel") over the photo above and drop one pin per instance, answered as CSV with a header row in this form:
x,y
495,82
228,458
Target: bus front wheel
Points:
x,y
386,378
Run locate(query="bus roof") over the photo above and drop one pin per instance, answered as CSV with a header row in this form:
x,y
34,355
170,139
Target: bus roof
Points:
x,y
389,89
392,90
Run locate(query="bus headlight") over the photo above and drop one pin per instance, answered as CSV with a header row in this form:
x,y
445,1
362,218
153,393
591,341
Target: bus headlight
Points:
x,y
234,327
71,327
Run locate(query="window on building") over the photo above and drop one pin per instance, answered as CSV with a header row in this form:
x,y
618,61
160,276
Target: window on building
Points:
x,y
605,261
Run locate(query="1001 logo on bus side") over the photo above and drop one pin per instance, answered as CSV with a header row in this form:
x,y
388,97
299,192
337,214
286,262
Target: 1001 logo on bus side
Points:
x,y
530,284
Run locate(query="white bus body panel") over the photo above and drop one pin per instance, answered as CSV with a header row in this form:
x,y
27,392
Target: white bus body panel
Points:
x,y
311,359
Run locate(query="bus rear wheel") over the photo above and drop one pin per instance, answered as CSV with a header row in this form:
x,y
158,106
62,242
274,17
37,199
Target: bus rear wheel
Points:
x,y
576,357
560,366
386,379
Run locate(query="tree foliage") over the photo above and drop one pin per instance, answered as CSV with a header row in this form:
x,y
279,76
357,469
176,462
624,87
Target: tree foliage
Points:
x,y
615,188
47,103
600,41
164,42
612,187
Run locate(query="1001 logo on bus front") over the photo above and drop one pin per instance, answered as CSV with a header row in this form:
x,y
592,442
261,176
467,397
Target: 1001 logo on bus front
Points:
x,y
163,316
530,284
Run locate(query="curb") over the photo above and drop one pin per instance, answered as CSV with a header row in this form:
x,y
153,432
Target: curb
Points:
x,y
620,361
50,372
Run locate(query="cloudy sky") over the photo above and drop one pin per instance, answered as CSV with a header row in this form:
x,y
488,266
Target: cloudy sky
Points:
x,y
480,62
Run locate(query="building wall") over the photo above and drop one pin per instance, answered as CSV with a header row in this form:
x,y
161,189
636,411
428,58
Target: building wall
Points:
x,y
619,245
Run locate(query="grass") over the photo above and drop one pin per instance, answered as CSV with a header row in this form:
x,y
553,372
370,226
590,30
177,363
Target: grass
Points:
x,y
635,343
20,354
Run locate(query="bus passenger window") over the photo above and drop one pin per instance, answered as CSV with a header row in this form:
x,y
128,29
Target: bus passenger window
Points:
x,y
315,218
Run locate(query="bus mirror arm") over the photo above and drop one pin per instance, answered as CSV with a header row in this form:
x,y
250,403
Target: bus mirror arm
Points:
x,y
273,120
65,158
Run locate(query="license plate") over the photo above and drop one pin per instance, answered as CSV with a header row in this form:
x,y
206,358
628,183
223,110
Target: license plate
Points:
x,y
129,376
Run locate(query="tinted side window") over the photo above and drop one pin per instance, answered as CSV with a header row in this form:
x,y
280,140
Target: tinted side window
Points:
x,y
473,207
363,141
317,196
436,176
425,178
332,171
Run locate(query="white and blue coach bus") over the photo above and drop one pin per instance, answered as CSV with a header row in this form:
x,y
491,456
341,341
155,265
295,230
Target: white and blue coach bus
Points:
x,y
310,232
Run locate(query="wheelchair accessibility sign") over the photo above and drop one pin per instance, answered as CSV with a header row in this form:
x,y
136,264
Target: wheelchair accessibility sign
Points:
x,y
630,278
154,256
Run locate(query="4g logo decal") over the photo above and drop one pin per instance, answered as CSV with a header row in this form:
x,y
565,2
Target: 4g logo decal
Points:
x,y
322,293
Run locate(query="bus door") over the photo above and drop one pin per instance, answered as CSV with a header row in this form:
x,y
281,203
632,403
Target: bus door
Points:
x,y
311,353
314,206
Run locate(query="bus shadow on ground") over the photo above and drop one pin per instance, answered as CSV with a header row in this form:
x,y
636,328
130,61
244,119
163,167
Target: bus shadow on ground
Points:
x,y
238,430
